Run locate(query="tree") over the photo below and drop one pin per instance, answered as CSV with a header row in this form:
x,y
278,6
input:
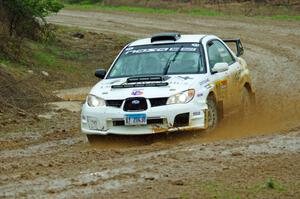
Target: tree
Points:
x,y
20,16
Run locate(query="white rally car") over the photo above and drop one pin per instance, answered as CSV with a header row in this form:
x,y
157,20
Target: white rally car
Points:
x,y
168,82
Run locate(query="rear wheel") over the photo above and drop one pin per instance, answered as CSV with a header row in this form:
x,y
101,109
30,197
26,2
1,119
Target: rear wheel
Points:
x,y
212,116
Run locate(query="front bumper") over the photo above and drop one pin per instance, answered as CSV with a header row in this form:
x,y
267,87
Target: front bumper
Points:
x,y
110,120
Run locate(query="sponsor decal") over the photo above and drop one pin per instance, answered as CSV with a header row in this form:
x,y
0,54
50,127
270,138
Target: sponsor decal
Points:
x,y
222,84
173,82
199,94
137,92
185,78
151,50
130,48
105,86
204,81
208,86
196,113
222,88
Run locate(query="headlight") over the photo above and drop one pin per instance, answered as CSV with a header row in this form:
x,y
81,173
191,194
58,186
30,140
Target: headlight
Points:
x,y
182,98
94,101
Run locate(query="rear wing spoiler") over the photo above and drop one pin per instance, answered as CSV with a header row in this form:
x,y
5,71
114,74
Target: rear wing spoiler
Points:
x,y
238,44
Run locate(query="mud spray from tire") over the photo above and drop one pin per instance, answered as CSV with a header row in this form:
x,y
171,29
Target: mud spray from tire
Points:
x,y
274,111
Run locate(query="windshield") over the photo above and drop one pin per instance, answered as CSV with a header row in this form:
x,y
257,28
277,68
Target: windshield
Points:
x,y
159,60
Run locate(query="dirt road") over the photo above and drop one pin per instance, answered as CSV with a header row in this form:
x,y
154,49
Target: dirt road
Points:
x,y
53,159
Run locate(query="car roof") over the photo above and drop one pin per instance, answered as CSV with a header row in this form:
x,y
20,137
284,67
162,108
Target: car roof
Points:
x,y
181,39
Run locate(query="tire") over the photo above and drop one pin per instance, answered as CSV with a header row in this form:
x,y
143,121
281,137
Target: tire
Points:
x,y
247,104
92,138
212,116
104,141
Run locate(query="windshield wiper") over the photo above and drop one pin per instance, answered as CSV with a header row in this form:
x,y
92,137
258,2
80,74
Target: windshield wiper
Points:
x,y
168,64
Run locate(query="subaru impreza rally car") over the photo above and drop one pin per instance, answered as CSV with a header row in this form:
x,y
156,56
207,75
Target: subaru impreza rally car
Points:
x,y
168,82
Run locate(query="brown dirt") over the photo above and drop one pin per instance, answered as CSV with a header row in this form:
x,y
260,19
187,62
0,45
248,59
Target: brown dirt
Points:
x,y
50,158
17,93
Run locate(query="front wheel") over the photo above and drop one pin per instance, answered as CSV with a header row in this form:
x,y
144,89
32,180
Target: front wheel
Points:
x,y
92,138
212,116
247,104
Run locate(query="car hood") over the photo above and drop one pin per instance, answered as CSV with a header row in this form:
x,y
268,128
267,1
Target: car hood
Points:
x,y
176,84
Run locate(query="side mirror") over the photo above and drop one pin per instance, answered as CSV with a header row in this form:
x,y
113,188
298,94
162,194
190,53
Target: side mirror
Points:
x,y
100,73
220,67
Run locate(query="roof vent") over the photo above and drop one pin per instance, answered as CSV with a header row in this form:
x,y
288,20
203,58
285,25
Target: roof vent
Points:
x,y
165,37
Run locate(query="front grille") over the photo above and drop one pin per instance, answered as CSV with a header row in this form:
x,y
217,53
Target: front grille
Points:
x,y
155,121
119,123
114,103
158,101
135,104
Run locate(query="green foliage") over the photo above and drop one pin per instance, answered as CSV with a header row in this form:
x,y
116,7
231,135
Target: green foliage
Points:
x,y
31,8
195,11
23,15
21,19
272,184
277,9
83,1
217,190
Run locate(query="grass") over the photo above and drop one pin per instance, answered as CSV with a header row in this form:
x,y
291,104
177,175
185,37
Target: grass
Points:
x,y
66,58
193,11
217,190
280,17
45,59
220,190
51,57
273,184
16,68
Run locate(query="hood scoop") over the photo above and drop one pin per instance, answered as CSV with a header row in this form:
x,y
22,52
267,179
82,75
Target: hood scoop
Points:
x,y
143,81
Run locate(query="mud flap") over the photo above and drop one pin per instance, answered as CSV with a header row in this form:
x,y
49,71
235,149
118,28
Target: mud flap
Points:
x,y
220,110
206,119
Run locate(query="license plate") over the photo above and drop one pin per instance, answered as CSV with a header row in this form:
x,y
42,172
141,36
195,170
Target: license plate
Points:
x,y
93,123
135,119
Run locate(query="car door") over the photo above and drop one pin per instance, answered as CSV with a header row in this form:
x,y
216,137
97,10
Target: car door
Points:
x,y
224,81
